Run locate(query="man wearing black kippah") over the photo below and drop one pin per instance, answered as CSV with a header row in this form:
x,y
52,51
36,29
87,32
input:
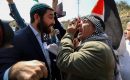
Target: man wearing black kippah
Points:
x,y
31,59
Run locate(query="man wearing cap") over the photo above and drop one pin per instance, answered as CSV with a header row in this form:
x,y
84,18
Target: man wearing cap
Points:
x,y
93,58
31,60
20,21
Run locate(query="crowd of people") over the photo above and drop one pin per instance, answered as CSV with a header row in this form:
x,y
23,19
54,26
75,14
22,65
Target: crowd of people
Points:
x,y
44,50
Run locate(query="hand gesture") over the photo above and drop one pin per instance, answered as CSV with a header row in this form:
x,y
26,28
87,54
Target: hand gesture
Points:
x,y
10,1
54,4
53,48
73,26
28,70
75,42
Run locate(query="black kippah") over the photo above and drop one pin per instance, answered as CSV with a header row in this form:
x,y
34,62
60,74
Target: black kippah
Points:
x,y
39,6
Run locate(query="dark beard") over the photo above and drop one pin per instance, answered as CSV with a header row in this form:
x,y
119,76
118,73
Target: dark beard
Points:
x,y
43,28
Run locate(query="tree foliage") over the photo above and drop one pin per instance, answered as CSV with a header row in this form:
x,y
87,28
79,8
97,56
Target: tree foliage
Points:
x,y
124,12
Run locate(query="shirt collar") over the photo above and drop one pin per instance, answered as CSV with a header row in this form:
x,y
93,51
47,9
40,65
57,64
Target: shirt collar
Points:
x,y
34,31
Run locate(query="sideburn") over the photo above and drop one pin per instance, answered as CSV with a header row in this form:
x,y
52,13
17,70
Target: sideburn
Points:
x,y
43,28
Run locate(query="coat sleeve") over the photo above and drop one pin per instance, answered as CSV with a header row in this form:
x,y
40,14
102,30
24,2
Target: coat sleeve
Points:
x,y
88,60
58,26
15,14
8,57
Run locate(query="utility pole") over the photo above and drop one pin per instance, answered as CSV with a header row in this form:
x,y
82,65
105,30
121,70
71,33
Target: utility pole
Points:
x,y
78,8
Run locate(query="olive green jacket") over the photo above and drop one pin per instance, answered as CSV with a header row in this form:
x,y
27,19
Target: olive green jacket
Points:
x,y
93,60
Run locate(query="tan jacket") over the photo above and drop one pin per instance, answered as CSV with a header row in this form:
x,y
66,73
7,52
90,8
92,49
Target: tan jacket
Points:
x,y
94,60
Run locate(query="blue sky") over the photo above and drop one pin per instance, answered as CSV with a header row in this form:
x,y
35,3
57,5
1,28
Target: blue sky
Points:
x,y
70,8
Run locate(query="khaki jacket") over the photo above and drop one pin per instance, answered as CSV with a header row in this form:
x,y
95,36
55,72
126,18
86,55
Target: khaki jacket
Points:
x,y
93,60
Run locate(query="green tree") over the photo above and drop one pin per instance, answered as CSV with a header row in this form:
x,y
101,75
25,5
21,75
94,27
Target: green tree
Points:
x,y
124,12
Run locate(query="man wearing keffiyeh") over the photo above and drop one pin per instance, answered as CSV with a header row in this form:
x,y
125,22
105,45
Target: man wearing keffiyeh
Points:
x,y
93,58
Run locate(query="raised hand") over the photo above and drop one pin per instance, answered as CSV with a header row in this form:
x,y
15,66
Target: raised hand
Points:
x,y
73,26
9,1
54,4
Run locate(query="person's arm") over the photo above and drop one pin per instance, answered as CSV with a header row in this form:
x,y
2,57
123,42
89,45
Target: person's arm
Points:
x,y
85,62
57,24
8,56
54,4
28,70
15,14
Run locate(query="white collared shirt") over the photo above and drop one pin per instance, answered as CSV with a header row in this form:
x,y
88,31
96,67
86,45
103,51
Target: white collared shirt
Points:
x,y
43,45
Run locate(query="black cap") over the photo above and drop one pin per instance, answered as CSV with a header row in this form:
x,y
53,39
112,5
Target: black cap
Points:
x,y
39,6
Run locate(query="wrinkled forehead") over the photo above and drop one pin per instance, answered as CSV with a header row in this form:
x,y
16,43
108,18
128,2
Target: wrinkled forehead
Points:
x,y
128,25
50,12
91,19
87,21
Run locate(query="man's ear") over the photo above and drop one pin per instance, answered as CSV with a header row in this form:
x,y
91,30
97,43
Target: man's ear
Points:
x,y
37,18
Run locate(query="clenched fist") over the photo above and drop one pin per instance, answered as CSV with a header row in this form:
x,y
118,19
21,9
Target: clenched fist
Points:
x,y
28,70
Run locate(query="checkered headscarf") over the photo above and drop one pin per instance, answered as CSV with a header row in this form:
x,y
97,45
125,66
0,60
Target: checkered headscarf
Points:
x,y
99,32
97,22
